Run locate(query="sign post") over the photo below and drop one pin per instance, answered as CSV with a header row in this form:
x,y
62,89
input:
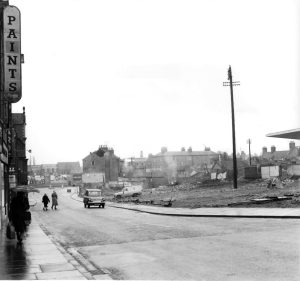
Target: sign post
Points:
x,y
10,85
12,53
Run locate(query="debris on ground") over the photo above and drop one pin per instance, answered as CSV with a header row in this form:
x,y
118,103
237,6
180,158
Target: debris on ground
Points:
x,y
276,192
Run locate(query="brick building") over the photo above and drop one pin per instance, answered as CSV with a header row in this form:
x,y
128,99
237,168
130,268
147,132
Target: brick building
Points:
x,y
18,159
292,155
104,161
135,167
43,169
68,168
179,164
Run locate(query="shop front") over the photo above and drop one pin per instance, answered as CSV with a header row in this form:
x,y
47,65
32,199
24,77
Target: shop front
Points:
x,y
3,175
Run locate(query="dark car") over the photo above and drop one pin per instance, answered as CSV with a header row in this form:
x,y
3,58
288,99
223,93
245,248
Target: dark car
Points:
x,y
93,197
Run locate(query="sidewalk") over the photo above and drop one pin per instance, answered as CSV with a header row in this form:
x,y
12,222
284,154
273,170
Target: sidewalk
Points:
x,y
38,258
279,213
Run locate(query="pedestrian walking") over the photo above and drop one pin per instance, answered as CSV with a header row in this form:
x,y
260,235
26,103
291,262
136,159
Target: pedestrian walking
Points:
x,y
18,208
54,200
45,200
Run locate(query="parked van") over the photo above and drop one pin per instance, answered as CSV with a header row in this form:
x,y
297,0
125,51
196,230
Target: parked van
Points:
x,y
134,190
93,197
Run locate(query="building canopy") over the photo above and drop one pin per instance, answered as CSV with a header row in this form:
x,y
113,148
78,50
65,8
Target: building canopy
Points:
x,y
289,134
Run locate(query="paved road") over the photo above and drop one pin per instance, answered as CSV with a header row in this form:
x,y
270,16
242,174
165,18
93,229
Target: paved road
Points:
x,y
133,245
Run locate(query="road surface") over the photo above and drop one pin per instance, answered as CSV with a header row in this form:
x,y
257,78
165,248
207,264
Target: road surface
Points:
x,y
134,245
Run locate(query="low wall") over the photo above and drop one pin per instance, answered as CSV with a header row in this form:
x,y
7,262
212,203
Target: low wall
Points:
x,y
270,172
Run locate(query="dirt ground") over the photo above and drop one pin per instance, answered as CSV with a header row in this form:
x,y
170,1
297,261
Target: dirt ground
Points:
x,y
222,194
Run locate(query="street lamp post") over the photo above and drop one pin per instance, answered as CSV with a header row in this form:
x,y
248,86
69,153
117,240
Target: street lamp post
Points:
x,y
29,151
231,84
29,171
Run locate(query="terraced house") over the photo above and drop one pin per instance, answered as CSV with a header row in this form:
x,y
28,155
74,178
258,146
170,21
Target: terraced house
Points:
x,y
179,164
292,155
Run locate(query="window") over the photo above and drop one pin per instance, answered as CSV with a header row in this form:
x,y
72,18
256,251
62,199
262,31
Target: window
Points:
x,y
94,193
93,163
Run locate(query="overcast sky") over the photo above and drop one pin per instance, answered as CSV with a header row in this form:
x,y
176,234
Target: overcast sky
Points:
x,y
139,75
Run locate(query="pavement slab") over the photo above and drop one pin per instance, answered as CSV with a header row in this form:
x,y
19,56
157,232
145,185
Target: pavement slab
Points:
x,y
20,277
23,270
41,250
51,267
61,275
37,261
102,277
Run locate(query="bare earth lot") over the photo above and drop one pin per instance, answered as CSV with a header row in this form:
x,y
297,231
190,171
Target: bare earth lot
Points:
x,y
222,194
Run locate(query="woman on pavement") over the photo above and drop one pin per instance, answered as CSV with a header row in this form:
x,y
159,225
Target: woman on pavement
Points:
x,y
18,207
45,200
54,200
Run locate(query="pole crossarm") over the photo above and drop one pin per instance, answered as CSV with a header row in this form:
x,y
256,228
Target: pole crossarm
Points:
x,y
234,83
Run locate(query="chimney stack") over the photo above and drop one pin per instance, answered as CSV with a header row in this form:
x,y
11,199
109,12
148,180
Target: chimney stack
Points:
x,y
273,148
292,145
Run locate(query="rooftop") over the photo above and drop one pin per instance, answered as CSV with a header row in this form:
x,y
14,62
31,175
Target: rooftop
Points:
x,y
186,153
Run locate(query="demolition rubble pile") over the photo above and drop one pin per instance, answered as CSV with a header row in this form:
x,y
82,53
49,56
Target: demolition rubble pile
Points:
x,y
276,189
278,183
276,192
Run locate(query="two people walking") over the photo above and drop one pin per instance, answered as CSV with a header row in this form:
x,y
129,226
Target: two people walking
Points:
x,y
19,214
46,201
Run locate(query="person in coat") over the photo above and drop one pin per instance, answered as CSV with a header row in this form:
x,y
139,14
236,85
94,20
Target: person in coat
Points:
x,y
18,207
45,200
54,200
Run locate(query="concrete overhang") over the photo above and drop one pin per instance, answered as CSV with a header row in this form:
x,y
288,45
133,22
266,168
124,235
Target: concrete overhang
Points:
x,y
290,134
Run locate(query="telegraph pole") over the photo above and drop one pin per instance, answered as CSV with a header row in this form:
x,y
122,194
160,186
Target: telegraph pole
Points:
x,y
249,142
231,84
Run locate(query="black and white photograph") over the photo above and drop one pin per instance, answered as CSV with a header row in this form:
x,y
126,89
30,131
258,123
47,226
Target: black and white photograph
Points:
x,y
150,140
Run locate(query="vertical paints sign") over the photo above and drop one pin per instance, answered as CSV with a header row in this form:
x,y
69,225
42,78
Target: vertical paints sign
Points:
x,y
12,53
